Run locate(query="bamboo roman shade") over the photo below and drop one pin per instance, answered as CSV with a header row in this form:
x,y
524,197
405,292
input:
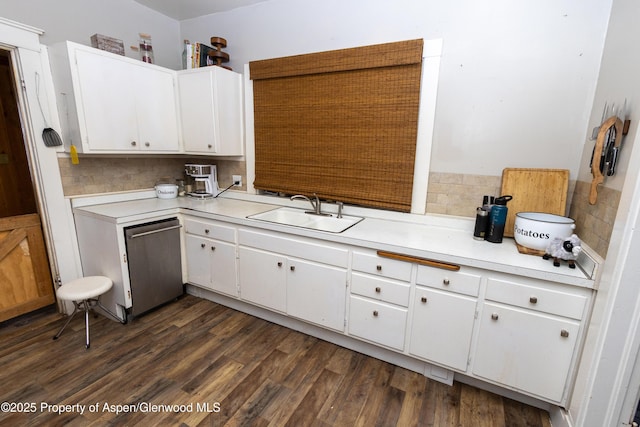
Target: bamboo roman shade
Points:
x,y
342,124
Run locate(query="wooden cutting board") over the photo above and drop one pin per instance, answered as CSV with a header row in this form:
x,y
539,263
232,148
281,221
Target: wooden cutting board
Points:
x,y
534,190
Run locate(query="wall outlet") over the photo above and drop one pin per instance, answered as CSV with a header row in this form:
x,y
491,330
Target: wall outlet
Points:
x,y
237,180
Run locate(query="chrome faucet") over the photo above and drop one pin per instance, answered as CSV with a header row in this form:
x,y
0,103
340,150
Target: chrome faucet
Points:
x,y
315,203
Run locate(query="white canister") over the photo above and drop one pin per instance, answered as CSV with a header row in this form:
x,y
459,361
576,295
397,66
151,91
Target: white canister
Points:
x,y
166,191
535,230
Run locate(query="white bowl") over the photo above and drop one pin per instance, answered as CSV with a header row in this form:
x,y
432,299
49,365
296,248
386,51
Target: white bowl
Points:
x,y
535,230
166,191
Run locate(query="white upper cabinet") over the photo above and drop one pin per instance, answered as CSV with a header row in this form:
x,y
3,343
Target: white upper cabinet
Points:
x,y
211,111
113,104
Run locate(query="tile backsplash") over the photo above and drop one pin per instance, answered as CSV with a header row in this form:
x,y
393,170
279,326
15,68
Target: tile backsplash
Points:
x,y
594,223
110,174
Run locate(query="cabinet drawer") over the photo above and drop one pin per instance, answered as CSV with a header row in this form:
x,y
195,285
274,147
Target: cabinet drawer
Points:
x,y
380,289
373,264
296,247
455,281
561,301
377,322
210,230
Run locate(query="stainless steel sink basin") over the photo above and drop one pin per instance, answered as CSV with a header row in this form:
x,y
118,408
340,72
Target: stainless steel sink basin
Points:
x,y
299,218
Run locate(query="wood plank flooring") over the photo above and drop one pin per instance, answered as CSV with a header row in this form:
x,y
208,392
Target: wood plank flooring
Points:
x,y
213,366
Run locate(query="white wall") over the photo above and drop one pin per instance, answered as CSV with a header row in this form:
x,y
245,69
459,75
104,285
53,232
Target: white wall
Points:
x,y
612,343
618,80
78,20
517,79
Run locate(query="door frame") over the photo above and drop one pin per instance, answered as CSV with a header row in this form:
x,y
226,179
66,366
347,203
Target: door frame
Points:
x,y
30,59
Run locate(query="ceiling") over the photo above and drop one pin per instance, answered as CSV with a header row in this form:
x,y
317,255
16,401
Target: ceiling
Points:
x,y
187,9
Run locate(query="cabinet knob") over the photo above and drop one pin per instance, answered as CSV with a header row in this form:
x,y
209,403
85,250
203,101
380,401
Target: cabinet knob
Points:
x,y
423,299
378,289
379,267
533,300
133,143
213,248
146,144
494,316
292,268
202,245
446,281
375,313
209,146
564,333
206,231
279,263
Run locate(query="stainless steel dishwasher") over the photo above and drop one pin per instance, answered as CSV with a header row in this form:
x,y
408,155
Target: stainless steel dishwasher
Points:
x,y
153,257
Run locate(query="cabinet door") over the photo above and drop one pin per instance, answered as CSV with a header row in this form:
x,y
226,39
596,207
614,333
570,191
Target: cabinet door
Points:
x,y
228,101
107,102
156,109
317,293
525,350
442,327
198,261
211,111
197,112
378,322
262,278
223,267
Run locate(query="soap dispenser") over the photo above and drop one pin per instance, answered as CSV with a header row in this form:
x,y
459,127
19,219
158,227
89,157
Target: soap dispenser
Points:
x,y
497,219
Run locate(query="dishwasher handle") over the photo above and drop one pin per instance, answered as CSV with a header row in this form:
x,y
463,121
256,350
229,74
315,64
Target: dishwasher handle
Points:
x,y
160,230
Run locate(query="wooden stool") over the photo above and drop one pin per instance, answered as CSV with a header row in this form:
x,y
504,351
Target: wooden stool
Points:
x,y
85,294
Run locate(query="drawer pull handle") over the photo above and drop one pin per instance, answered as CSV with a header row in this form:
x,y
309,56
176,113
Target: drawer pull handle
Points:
x,y
378,289
375,313
379,267
213,248
533,300
446,282
279,263
133,143
564,333
202,245
206,231
494,316
292,268
146,144
423,299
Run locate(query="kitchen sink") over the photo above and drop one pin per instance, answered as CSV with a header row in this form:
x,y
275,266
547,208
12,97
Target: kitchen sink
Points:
x,y
300,218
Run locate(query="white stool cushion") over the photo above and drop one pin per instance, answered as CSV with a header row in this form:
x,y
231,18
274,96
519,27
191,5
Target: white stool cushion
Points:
x,y
84,288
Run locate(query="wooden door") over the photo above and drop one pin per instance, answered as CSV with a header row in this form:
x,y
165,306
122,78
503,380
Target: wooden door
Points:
x,y
25,278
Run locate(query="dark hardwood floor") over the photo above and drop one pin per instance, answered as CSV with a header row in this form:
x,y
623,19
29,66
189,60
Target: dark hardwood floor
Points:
x,y
213,366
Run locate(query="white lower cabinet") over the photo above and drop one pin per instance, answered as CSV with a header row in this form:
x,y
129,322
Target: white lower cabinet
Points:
x,y
211,260
263,277
316,293
444,311
379,300
442,327
519,333
529,351
301,278
528,334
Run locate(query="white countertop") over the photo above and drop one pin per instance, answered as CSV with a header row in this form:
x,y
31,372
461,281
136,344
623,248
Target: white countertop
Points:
x,y
433,237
